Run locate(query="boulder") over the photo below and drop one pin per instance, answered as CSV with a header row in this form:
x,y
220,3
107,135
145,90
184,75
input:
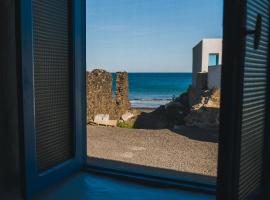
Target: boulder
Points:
x,y
194,95
203,117
101,118
104,119
205,114
127,115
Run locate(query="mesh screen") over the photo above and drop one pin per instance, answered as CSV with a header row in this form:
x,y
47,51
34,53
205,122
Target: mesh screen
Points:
x,y
254,105
52,51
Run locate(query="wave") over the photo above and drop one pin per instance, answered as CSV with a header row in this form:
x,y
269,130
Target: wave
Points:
x,y
148,103
154,99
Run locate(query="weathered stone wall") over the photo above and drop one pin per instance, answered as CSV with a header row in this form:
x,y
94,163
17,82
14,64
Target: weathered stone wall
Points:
x,y
100,98
99,93
122,101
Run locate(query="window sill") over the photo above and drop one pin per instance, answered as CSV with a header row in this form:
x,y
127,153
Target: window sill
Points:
x,y
85,186
154,176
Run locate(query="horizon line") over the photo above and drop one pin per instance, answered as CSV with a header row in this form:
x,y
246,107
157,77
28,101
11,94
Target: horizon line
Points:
x,y
145,72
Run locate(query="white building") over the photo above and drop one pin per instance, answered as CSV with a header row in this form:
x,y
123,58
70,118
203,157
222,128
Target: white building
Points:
x,y
207,57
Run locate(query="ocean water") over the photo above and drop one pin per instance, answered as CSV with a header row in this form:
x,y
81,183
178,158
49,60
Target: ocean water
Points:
x,y
150,90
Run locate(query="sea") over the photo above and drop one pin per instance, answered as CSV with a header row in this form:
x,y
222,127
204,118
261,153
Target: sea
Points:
x,y
151,90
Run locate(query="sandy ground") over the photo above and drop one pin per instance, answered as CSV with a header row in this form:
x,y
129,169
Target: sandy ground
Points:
x,y
187,149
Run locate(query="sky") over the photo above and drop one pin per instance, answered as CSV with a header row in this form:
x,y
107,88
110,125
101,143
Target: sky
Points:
x,y
148,35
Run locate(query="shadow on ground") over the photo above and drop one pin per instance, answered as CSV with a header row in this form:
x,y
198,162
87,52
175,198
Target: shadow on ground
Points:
x,y
152,120
195,133
159,119
164,119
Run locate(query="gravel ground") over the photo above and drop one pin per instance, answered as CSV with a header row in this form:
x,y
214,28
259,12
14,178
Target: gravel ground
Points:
x,y
187,149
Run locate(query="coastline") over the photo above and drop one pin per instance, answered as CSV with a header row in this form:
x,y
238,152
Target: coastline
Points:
x,y
144,109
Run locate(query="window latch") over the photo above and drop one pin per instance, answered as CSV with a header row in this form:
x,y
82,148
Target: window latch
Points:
x,y
256,32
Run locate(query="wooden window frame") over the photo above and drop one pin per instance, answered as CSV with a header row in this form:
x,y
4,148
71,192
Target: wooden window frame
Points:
x,y
33,180
230,105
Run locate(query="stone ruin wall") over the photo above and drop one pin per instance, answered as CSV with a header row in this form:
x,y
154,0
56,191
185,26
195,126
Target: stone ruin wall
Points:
x,y
100,98
121,96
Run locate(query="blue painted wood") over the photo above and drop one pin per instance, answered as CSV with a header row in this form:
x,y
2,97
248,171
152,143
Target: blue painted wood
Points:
x,y
79,44
34,181
157,176
84,186
27,93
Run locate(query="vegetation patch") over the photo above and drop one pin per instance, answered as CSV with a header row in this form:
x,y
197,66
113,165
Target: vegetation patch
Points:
x,y
127,124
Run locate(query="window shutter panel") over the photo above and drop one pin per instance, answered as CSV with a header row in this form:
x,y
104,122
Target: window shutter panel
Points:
x,y
254,101
245,138
52,42
52,50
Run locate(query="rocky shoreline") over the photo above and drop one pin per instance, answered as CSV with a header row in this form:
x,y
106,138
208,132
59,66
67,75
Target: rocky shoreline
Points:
x,y
200,111
196,107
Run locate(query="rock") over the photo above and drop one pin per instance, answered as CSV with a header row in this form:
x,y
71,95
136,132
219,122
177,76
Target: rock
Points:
x,y
215,98
111,123
176,110
128,115
101,119
203,117
183,98
177,127
194,95
202,80
104,119
205,114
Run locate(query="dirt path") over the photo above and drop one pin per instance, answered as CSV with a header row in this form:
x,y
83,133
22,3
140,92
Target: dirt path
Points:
x,y
186,150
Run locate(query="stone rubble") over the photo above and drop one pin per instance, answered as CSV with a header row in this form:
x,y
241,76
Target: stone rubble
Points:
x,y
205,113
127,116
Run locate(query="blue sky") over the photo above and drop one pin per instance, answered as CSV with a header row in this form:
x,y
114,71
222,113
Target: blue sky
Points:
x,y
148,35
